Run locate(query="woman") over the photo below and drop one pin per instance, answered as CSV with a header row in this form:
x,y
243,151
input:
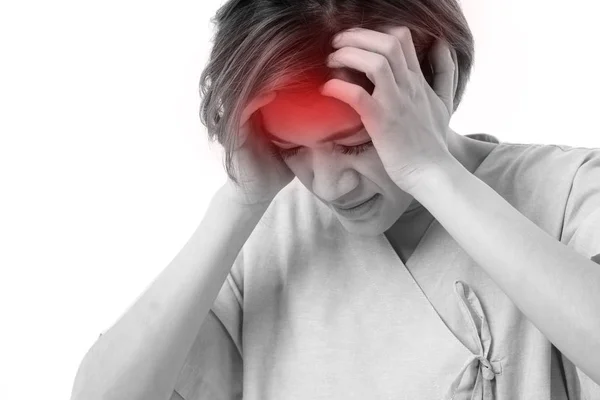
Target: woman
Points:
x,y
406,261
452,281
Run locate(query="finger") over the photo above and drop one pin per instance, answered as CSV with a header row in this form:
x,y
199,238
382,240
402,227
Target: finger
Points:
x,y
255,104
375,66
443,73
404,37
356,97
376,42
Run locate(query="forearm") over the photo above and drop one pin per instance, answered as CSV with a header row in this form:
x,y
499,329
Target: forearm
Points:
x,y
141,355
553,285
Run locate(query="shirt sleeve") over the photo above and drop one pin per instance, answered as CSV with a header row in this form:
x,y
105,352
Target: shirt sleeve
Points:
x,y
581,223
581,231
213,368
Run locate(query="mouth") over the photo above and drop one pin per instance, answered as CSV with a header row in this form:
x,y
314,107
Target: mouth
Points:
x,y
352,206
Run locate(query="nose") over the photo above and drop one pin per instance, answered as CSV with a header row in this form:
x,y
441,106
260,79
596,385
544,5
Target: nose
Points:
x,y
332,178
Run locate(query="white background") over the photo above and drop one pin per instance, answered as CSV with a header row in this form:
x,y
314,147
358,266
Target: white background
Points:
x,y
105,168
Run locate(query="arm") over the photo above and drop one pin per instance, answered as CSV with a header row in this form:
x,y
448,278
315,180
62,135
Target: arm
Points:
x,y
141,356
555,287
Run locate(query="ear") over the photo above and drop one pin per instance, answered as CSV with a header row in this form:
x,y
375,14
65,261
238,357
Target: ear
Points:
x,y
455,59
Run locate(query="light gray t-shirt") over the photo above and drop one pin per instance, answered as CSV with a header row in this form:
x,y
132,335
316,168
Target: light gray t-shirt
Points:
x,y
310,311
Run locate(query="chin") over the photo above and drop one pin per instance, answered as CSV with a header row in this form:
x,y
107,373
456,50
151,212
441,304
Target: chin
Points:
x,y
372,226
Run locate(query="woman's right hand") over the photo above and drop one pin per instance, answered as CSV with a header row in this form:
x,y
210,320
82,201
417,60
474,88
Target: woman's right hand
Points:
x,y
259,169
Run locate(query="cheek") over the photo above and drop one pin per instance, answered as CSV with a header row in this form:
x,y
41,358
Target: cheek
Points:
x,y
372,166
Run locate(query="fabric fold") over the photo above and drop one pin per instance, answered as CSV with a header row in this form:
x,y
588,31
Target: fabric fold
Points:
x,y
475,319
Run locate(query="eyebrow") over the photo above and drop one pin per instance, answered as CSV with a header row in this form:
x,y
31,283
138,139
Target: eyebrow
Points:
x,y
342,134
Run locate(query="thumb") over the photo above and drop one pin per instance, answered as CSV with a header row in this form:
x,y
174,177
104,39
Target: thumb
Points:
x,y
445,73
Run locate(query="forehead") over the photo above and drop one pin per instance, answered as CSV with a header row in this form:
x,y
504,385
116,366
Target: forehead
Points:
x,y
307,115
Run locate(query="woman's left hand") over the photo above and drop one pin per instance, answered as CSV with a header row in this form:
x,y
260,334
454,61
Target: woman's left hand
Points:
x,y
406,120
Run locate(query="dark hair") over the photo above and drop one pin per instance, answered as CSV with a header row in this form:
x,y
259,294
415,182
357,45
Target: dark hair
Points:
x,y
265,45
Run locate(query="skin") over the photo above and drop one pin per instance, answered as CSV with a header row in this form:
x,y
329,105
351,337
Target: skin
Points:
x,y
334,177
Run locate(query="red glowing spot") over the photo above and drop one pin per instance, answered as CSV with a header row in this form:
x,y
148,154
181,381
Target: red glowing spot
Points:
x,y
308,116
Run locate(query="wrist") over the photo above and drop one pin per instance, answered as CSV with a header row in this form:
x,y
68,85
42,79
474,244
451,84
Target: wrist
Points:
x,y
233,194
435,177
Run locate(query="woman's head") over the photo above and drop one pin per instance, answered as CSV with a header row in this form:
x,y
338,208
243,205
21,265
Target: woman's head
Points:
x,y
279,45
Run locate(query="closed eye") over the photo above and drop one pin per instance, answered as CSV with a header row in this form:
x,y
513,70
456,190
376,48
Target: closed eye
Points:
x,y
354,150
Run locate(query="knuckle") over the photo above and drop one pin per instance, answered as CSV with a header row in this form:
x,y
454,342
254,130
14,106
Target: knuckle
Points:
x,y
391,45
406,31
400,32
343,52
381,64
411,90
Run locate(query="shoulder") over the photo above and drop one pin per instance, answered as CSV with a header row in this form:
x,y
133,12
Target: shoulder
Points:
x,y
582,208
538,163
556,186
536,152
562,185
